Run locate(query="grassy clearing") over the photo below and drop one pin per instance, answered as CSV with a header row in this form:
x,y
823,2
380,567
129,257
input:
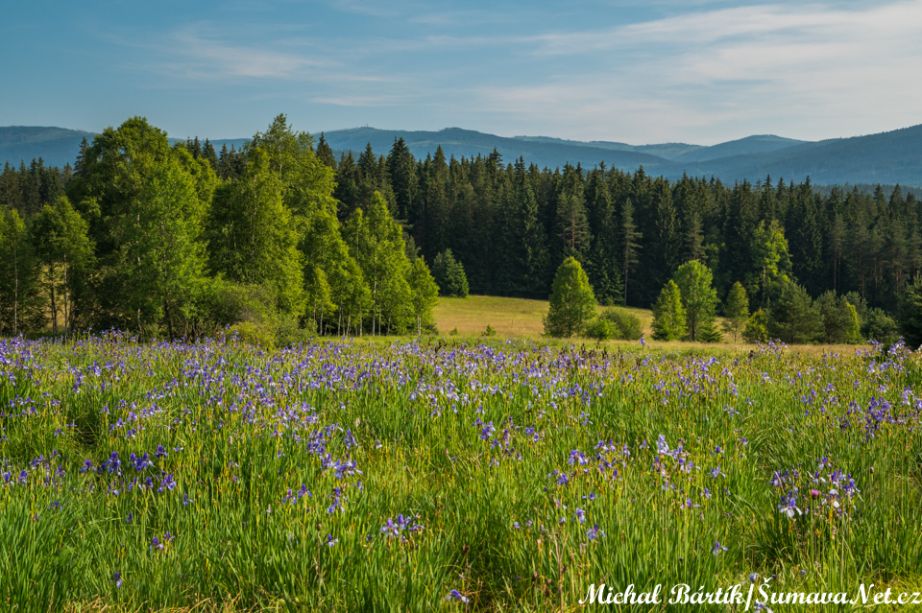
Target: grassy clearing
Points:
x,y
510,317
382,474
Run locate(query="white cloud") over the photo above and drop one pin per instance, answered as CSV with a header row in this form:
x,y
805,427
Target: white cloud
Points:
x,y
813,71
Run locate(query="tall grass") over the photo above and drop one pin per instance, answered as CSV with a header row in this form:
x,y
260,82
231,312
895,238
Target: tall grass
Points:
x,y
382,476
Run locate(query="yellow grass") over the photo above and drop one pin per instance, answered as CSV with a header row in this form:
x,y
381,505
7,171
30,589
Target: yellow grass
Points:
x,y
524,318
510,317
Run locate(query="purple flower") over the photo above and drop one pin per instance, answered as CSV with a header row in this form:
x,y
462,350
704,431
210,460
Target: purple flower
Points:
x,y
717,548
456,595
593,533
117,578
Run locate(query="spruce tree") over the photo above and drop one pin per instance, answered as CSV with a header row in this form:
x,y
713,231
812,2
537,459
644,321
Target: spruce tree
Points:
x,y
736,310
20,302
669,319
572,301
911,313
793,316
449,275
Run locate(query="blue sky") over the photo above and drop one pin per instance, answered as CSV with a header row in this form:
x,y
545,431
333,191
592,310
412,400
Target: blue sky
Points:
x,y
637,71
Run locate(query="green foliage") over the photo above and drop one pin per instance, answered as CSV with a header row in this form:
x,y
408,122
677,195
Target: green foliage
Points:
x,y
699,298
756,330
627,326
376,242
488,331
794,317
20,301
66,255
669,319
572,302
841,323
449,275
880,326
251,236
425,293
736,310
601,329
911,313
771,261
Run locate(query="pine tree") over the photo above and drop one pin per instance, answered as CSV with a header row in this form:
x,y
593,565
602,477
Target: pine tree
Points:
x,y
20,309
572,301
449,275
325,153
572,223
401,168
772,261
736,310
793,316
629,238
911,313
669,314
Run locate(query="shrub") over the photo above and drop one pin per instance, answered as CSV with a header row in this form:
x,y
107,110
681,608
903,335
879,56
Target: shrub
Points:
x,y
627,326
757,327
601,329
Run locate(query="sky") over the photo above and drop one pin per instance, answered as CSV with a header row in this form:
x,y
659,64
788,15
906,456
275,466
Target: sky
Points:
x,y
636,71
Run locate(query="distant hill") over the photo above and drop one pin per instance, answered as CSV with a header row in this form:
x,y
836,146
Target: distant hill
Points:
x,y
57,146
888,158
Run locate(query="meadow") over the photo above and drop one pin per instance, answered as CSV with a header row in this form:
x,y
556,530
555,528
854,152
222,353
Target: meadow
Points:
x,y
405,475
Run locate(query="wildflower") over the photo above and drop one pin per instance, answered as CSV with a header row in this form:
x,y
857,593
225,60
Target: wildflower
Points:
x,y
718,548
456,595
593,533
331,541
580,515
117,578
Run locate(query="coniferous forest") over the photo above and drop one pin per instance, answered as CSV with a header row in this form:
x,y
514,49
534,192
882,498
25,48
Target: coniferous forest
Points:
x,y
285,237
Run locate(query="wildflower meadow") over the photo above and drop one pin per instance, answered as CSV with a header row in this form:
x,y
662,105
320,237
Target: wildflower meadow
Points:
x,y
418,475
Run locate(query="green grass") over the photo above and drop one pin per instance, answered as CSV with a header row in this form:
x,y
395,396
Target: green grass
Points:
x,y
469,442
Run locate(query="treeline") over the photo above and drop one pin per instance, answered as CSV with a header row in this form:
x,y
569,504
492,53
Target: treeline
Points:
x,y
507,225
511,225
146,237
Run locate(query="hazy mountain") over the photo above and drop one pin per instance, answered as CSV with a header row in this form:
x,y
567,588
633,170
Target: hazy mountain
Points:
x,y
889,157
57,146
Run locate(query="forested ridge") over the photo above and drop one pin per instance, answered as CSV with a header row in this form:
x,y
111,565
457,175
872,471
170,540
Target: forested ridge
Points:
x,y
342,243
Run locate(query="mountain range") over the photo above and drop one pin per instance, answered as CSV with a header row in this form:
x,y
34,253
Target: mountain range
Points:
x,y
888,158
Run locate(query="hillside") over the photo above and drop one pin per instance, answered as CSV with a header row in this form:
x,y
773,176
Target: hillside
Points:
x,y
889,158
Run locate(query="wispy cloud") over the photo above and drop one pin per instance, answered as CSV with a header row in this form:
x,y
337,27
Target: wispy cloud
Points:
x,y
710,71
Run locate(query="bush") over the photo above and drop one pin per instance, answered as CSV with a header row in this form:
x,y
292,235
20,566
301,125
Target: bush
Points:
x,y
627,326
249,312
488,331
601,329
757,327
